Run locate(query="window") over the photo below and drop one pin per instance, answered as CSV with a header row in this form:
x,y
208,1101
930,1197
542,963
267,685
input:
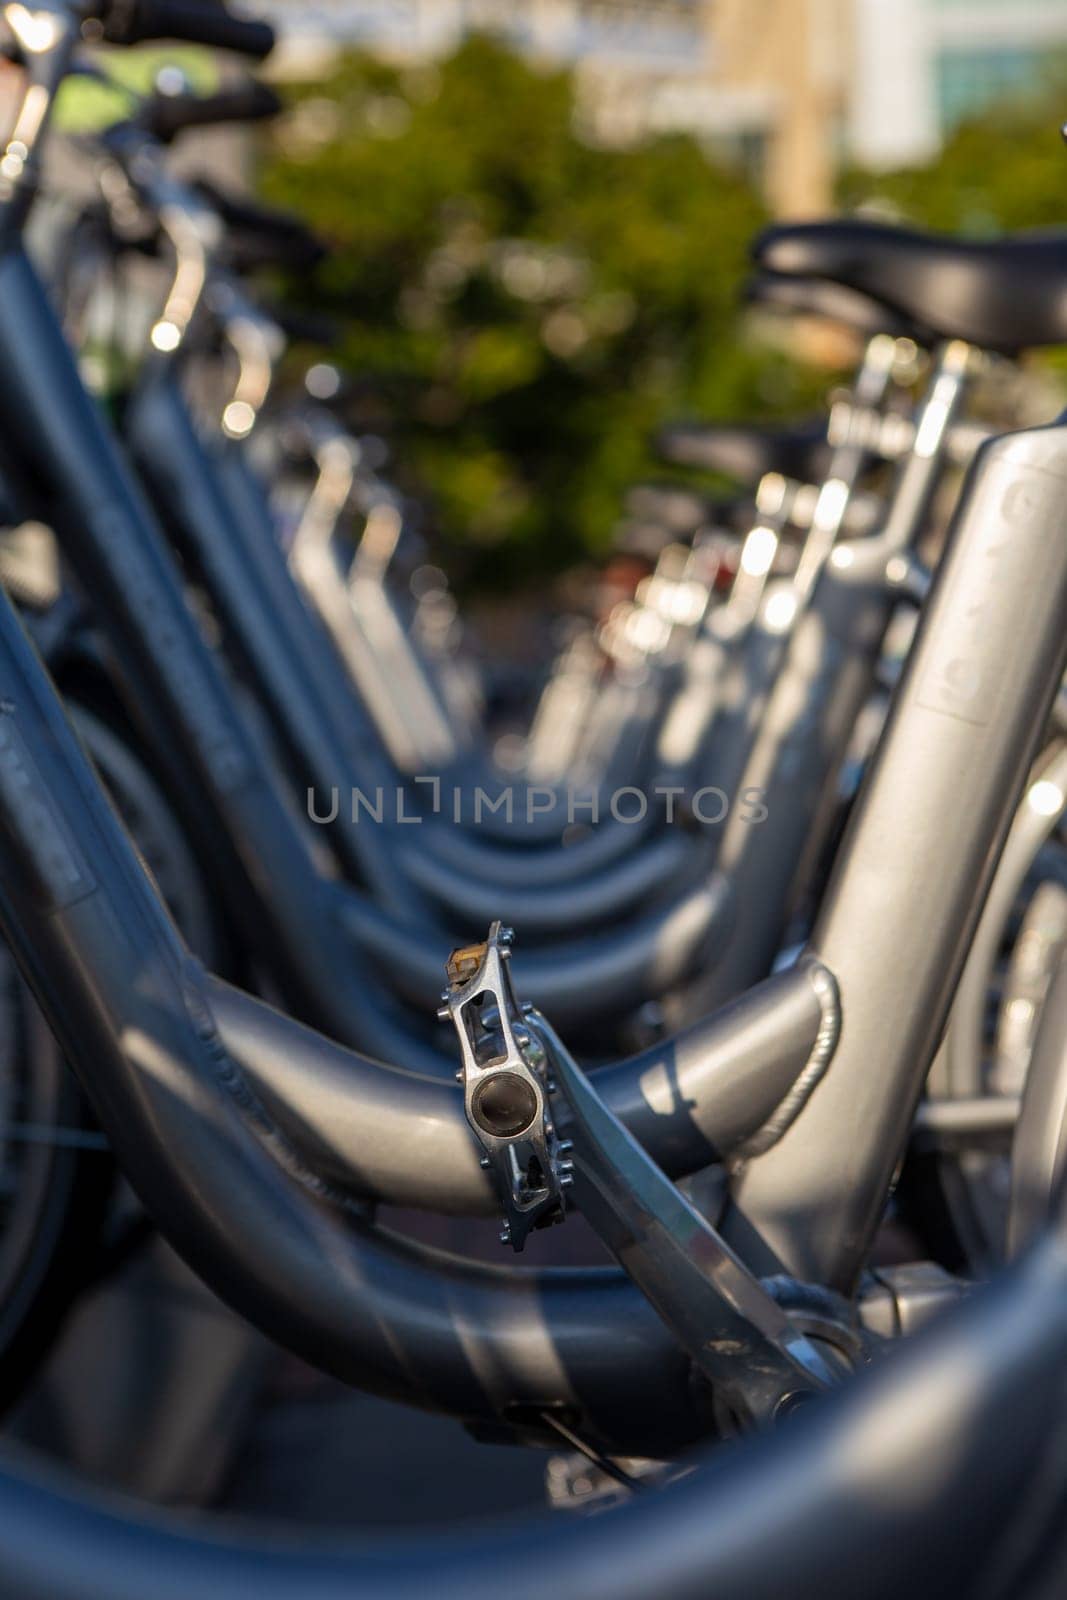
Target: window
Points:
x,y
970,80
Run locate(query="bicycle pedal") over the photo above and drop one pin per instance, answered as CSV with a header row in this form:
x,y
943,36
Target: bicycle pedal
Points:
x,y
505,1087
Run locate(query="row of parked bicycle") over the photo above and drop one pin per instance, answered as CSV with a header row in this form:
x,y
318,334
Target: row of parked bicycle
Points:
x,y
782,845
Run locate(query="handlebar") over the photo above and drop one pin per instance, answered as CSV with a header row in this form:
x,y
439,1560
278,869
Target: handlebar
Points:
x,y
261,236
202,22
165,116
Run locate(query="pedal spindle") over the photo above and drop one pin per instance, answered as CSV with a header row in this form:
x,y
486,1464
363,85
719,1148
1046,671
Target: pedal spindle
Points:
x,y
505,1087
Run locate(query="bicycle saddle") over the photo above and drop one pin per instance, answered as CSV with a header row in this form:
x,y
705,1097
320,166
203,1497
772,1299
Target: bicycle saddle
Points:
x,y
1005,294
747,452
817,297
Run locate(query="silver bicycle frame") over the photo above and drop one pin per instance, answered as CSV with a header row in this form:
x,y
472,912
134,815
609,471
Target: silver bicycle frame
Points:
x,y
912,875
230,1177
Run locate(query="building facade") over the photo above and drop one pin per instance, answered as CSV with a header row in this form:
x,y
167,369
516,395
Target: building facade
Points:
x,y
921,66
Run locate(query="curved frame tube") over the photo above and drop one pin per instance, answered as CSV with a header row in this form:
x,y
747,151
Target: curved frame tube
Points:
x,y
659,866
307,930
572,980
957,1069
180,476
65,462
518,860
387,1134
827,675
132,1012
238,1197
940,1474
602,977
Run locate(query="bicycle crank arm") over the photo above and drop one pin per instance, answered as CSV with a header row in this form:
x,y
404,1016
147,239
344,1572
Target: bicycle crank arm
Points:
x,y
755,1356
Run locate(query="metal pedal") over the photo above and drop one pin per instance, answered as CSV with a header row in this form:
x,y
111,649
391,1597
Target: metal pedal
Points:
x,y
505,1088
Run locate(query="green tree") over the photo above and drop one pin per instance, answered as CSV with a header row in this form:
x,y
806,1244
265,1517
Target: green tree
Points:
x,y
520,307
1003,168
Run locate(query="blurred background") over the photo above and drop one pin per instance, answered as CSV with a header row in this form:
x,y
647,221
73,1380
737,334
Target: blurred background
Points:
x,y
543,209
540,214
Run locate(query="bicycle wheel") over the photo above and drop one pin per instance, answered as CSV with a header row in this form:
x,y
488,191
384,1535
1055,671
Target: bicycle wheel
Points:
x,y
55,1181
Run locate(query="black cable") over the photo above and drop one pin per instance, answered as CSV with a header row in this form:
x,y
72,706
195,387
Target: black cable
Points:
x,y
610,1468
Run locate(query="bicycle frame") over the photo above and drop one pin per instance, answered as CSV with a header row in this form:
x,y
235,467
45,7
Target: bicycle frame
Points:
x,y
181,476
283,637
985,1431
827,677
143,1026
171,1060
965,725
746,644
308,931
59,453
247,1135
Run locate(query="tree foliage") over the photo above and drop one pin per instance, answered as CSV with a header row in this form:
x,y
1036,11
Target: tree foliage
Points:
x,y
1002,169
521,308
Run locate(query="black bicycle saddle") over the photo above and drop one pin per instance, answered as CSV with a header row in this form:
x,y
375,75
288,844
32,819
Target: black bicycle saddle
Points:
x,y
818,297
1005,294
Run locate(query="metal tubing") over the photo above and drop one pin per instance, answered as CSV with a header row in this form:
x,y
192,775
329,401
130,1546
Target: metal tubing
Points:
x,y
530,823
941,1474
658,867
518,860
828,674
405,689
748,680
797,751
755,643
306,930
59,445
211,501
180,477
386,1134
921,850
245,494
689,723
132,1012
967,1124
594,979
313,561
240,1199
957,1070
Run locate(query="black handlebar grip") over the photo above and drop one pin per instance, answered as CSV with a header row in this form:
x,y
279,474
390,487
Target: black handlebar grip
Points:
x,y
261,236
167,115
189,21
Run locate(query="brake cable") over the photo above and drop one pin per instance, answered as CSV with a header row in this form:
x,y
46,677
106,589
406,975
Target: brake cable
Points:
x,y
603,1463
